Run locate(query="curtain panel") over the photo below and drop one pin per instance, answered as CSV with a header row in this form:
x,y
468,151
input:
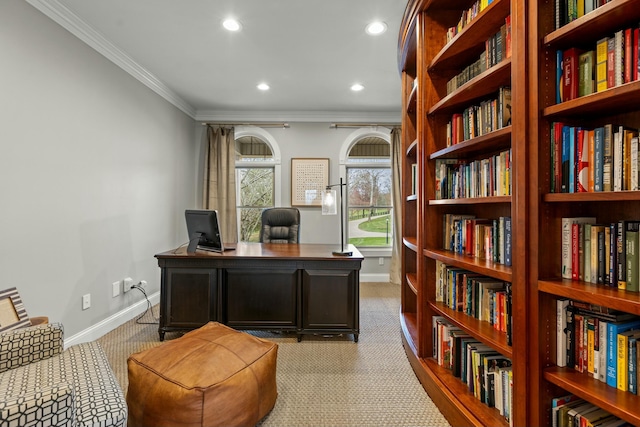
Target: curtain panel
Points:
x,y
395,269
219,189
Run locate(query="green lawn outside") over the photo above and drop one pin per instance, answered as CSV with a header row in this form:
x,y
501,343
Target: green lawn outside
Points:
x,y
377,224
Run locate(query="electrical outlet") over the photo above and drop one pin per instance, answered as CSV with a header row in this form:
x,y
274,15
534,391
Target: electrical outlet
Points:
x,y
128,282
86,301
381,261
115,289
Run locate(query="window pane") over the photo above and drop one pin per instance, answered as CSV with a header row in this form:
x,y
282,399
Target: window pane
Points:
x,y
369,187
250,224
370,227
256,187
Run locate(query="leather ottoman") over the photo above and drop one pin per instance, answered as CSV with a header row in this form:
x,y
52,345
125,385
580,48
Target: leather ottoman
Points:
x,y
212,376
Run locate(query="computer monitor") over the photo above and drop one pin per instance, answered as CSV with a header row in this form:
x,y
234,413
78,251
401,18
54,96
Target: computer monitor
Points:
x,y
203,227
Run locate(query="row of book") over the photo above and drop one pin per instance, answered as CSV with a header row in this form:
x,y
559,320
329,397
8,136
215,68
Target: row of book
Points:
x,y
466,17
496,48
482,238
486,372
566,11
600,342
613,61
605,254
478,120
571,410
588,160
484,298
457,179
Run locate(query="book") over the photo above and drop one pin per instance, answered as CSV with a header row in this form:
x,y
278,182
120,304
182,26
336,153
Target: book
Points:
x,y
561,331
567,242
557,403
602,368
613,329
507,241
623,358
627,55
598,148
607,158
559,77
563,417
583,162
611,62
601,64
633,364
632,240
619,57
587,73
570,73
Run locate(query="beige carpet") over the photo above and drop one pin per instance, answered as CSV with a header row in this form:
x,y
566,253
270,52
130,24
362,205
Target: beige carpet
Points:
x,y
325,381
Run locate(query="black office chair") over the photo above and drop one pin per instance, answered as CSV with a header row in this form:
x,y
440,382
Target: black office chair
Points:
x,y
280,225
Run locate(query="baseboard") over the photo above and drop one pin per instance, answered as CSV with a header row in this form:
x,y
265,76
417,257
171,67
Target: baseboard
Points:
x,y
112,322
374,277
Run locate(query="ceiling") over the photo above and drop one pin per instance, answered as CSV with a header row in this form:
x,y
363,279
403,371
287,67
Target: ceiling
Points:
x,y
310,52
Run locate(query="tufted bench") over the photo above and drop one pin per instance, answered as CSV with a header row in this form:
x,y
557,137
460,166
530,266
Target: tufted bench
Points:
x,y
212,376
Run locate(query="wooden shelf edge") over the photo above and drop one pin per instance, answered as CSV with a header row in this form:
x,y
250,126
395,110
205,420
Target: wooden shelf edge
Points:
x,y
478,87
412,281
471,200
449,394
600,196
482,331
596,294
410,242
412,148
616,99
481,266
497,139
620,403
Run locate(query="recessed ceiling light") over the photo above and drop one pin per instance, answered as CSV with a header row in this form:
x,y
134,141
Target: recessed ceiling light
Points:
x,y
376,28
263,86
231,25
357,87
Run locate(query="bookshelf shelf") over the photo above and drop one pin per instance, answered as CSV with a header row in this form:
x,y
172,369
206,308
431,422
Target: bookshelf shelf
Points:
x,y
619,99
476,88
604,19
470,41
622,404
604,196
412,280
412,198
482,331
410,242
471,201
412,149
594,294
493,141
480,266
413,100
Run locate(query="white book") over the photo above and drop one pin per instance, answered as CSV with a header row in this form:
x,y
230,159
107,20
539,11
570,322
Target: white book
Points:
x,y
602,368
587,253
561,332
618,160
634,164
619,58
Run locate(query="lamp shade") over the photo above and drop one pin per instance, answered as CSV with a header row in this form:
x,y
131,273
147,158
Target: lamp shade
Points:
x,y
329,203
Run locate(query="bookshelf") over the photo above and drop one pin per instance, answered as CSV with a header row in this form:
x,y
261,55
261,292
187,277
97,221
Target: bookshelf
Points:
x,y
620,105
428,64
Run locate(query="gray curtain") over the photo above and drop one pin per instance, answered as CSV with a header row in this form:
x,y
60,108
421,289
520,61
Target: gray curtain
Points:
x,y
395,269
219,188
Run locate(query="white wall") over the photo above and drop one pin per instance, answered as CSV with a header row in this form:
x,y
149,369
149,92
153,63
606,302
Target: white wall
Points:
x,y
95,173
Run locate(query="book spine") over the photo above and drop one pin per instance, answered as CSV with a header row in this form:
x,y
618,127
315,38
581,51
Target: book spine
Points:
x,y
623,362
607,162
601,65
598,148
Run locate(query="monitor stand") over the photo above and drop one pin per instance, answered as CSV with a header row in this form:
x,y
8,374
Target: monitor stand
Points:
x,y
193,243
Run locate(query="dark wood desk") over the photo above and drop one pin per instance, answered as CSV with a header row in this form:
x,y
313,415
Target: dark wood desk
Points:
x,y
262,286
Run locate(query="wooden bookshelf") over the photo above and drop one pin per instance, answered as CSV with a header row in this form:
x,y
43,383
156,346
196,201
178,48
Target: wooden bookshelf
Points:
x,y
619,104
427,58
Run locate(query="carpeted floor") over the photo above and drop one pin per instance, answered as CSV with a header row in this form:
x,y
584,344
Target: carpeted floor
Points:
x,y
325,381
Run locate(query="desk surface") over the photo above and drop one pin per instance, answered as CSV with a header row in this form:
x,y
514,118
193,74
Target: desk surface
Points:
x,y
247,250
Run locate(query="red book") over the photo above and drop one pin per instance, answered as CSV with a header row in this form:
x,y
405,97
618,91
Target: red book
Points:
x,y
611,62
628,56
582,171
570,74
557,130
634,63
575,251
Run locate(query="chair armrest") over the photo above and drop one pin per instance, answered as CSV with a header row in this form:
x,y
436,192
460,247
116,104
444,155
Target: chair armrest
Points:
x,y
20,347
43,407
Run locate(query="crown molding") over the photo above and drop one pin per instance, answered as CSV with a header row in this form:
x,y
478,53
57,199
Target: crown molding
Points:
x,y
76,26
298,116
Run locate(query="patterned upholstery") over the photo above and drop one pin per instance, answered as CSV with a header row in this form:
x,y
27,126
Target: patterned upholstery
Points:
x,y
40,385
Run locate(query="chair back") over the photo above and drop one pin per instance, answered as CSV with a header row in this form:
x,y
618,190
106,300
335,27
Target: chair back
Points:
x,y
280,225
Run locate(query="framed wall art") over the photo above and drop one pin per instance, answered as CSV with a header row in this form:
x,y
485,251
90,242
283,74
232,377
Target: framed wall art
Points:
x,y
309,178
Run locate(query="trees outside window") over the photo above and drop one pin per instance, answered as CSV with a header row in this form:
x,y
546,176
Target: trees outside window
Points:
x,y
369,201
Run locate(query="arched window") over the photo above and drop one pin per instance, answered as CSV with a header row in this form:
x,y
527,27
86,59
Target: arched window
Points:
x,y
369,201
257,178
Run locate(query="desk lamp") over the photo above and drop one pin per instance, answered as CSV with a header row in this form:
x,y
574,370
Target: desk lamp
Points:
x,y
329,208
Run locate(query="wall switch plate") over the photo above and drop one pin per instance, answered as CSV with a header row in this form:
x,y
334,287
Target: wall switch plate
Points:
x,y
115,289
381,261
86,301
